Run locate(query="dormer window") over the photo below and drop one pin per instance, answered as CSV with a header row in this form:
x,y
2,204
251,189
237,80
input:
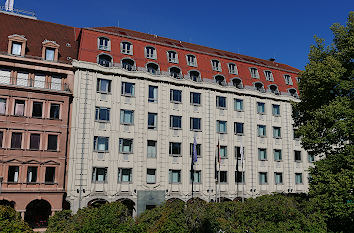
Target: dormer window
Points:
x,y
216,65
259,87
152,68
191,60
254,72
104,44
126,48
172,56
195,76
288,80
17,45
104,60
268,75
232,68
274,89
220,80
175,72
150,52
50,50
236,82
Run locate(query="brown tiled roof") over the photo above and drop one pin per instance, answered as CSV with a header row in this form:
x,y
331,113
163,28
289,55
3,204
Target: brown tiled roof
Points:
x,y
36,31
190,46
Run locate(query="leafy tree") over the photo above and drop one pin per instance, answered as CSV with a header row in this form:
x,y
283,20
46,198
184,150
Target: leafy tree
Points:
x,y
324,118
11,221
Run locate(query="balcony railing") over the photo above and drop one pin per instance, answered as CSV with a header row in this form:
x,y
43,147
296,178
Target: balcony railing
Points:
x,y
20,82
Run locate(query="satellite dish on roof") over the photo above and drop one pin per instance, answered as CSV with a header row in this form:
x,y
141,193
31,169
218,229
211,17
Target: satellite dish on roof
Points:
x,y
9,5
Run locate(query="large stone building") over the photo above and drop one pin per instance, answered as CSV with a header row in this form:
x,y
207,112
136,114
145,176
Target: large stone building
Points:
x,y
36,83
139,102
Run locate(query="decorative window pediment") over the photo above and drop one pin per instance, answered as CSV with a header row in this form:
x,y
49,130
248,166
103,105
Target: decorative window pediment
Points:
x,y
50,50
17,45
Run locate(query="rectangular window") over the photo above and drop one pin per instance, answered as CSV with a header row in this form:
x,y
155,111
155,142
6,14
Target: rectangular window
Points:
x,y
102,114
103,86
298,178
56,83
128,89
175,96
221,126
175,149
151,149
262,154
152,120
32,174
49,175
278,178
276,110
150,52
100,144
260,108
296,134
39,81
263,179
195,98
174,176
52,142
223,152
216,65
238,128
195,124
269,75
221,102
262,130
22,79
35,141
13,174
238,105
223,176
153,90
198,149
238,152
1,138
276,132
232,68
19,107
5,76
311,157
2,105
54,111
126,117
49,54
277,155
191,60
16,48
126,48
103,44
176,122
125,175
172,56
196,176
254,72
16,141
125,145
150,176
288,80
99,174
297,155
37,109
240,177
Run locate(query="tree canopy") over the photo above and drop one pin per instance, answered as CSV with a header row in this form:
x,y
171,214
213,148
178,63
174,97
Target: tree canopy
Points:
x,y
11,221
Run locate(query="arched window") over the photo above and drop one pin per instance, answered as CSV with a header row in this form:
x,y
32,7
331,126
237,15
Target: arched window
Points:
x,y
259,87
128,64
104,60
195,75
293,92
175,72
236,82
274,89
150,52
220,80
104,44
152,68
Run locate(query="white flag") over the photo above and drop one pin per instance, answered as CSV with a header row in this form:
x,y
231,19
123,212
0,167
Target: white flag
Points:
x,y
9,5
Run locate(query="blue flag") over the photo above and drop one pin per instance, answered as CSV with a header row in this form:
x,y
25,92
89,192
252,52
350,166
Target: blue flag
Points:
x,y
195,158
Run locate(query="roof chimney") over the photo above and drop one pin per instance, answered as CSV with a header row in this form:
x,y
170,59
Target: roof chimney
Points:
x,y
271,59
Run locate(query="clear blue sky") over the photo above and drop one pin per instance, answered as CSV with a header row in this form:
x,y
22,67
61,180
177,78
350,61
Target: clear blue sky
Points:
x,y
260,28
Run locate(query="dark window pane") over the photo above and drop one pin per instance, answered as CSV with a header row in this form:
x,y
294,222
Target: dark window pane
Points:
x,y
1,137
32,174
34,141
49,174
52,142
37,109
54,111
16,140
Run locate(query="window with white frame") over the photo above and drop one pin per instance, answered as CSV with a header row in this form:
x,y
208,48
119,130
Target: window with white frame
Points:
x,y
103,86
172,56
126,48
174,176
104,44
277,155
39,81
128,64
22,79
16,48
152,120
223,152
13,174
175,149
150,176
276,109
99,174
268,75
260,108
153,93
240,177
195,98
238,128
5,76
3,106
221,102
100,144
191,60
221,126
197,148
102,114
288,79
125,175
232,68
175,122
238,105
49,54
262,154
263,178
175,96
298,79
297,156
128,89
276,132
216,65
56,83
261,131
125,145
254,72
196,176
150,52
126,117
278,178
195,124
298,178
151,149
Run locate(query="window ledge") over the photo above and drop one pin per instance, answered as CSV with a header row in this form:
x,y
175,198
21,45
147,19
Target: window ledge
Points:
x,y
103,92
196,130
128,95
126,153
240,134
127,124
222,132
175,128
102,121
221,108
262,136
172,155
176,102
196,105
101,151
